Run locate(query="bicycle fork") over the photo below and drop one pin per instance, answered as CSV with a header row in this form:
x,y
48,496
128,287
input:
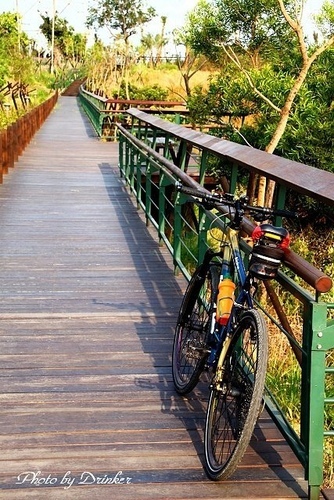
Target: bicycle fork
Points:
x,y
217,381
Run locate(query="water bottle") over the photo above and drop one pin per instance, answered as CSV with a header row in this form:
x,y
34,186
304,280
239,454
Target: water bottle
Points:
x,y
225,300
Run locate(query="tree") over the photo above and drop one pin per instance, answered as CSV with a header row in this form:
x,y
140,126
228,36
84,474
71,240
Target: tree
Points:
x,y
123,18
14,45
147,47
68,45
152,45
161,40
243,30
189,63
253,34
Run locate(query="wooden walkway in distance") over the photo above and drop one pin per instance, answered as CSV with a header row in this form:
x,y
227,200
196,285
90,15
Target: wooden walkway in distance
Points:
x,y
88,304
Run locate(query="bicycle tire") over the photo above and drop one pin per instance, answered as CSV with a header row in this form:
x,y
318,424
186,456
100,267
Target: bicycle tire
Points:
x,y
192,329
234,403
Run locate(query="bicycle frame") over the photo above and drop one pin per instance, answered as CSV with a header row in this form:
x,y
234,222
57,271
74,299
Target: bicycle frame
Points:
x,y
230,254
223,335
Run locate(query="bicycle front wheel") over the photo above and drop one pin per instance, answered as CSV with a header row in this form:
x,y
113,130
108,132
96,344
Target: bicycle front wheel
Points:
x,y
191,334
235,399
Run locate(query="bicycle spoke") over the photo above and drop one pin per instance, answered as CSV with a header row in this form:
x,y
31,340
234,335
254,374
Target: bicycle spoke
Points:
x,y
190,341
234,401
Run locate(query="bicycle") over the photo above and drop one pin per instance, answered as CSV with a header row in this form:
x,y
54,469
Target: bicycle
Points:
x,y
222,332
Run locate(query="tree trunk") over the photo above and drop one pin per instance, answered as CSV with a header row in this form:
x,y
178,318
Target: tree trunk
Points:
x,y
281,126
251,189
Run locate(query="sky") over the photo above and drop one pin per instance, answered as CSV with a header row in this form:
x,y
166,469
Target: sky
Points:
x,y
75,12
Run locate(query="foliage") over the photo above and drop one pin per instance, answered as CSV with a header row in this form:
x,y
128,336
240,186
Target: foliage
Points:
x,y
13,49
249,28
21,68
261,90
287,391
151,47
226,95
284,381
71,45
123,17
248,33
149,93
325,19
11,37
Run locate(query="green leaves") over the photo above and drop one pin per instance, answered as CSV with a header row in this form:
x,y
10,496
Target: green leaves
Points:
x,y
248,27
70,44
124,16
325,19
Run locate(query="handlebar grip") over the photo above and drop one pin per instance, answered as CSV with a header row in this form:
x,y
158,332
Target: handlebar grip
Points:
x,y
285,213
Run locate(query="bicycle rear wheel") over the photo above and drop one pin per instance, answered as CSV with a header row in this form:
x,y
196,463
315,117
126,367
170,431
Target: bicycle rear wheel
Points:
x,y
191,333
234,401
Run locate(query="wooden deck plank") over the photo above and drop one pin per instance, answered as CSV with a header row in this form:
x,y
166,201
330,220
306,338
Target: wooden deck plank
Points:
x,y
88,304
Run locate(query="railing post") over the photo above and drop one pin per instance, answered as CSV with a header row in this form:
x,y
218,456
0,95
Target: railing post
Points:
x,y
127,169
148,191
202,168
204,226
280,201
133,169
312,394
177,247
121,147
183,155
139,189
163,183
233,178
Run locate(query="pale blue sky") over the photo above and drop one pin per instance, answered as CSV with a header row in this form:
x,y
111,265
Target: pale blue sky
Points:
x,y
75,11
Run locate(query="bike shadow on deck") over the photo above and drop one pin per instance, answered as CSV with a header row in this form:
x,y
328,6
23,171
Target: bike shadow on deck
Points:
x,y
162,295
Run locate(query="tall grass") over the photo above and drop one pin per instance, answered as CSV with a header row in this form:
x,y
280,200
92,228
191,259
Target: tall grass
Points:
x,y
172,80
284,381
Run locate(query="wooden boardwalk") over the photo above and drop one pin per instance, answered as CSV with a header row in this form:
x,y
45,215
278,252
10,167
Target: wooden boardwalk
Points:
x,y
88,303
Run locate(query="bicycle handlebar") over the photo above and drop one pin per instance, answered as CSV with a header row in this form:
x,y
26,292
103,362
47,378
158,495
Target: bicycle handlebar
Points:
x,y
213,199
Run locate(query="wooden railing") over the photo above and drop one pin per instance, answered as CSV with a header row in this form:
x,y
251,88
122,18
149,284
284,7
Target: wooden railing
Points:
x,y
15,137
105,113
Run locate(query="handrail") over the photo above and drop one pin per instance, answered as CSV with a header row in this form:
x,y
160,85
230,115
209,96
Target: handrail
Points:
x,y
151,176
310,181
313,276
105,112
127,103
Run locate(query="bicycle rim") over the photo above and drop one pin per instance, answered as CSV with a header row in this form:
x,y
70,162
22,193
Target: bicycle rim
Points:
x,y
191,333
234,401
